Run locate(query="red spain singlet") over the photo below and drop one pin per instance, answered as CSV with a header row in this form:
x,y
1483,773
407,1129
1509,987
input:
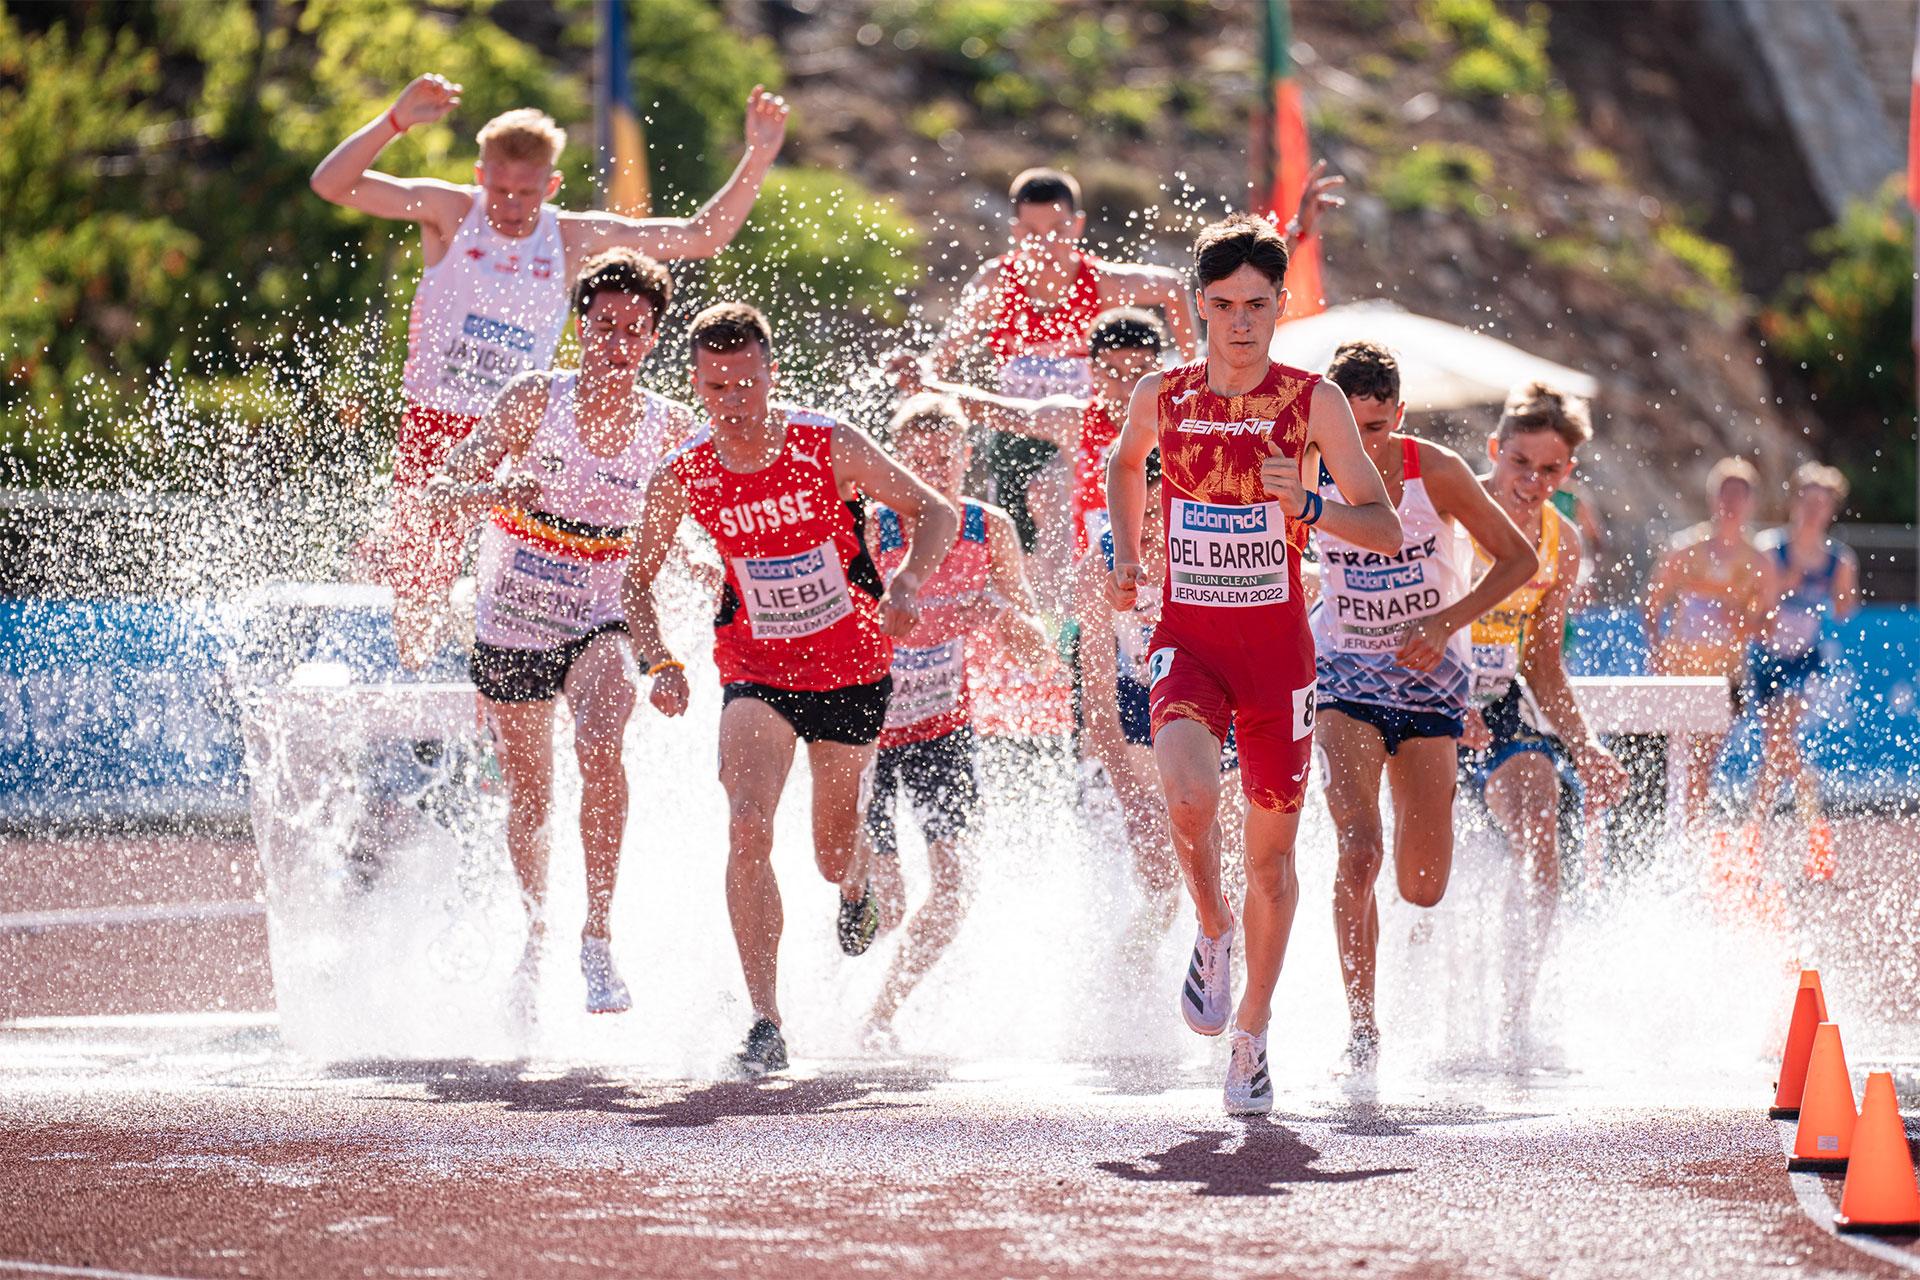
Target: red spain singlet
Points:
x,y
1021,327
1232,649
1097,434
930,693
800,607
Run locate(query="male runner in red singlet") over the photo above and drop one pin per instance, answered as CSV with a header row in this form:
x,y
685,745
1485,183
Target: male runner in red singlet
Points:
x,y
1032,309
1232,651
492,300
803,635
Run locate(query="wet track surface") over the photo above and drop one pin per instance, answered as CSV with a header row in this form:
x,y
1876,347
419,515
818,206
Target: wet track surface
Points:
x,y
149,1126
229,1159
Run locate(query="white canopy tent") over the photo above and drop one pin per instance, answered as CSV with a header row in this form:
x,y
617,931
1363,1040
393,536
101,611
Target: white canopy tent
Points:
x,y
1442,365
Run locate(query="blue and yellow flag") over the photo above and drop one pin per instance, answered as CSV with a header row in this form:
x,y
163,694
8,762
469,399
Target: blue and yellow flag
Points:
x,y
623,146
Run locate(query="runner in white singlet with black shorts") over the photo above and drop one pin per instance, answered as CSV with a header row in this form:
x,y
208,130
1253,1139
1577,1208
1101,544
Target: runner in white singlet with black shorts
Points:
x,y
1392,667
578,449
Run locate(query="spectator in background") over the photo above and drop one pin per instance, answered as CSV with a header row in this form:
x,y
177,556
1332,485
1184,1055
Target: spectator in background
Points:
x,y
1818,580
1705,602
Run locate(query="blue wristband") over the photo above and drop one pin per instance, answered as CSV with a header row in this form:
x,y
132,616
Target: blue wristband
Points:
x,y
1310,514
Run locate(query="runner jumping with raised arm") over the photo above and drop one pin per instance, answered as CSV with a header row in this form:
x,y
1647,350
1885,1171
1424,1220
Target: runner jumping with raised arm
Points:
x,y
582,446
492,300
802,632
1393,666
1232,651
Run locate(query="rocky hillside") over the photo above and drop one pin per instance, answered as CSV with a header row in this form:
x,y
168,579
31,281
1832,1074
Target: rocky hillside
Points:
x,y
1483,147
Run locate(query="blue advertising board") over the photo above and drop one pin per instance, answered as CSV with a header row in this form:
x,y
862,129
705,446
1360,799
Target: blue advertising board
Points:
x,y
131,708
1862,730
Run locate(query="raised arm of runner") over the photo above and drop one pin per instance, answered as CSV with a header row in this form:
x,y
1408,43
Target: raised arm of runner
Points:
x,y
1366,518
343,178
929,520
719,220
1127,490
971,318
1458,495
1020,627
465,484
1137,284
1543,666
666,507
1055,419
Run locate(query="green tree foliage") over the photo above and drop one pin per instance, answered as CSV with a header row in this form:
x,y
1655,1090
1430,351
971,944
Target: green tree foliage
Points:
x,y
175,301
1849,328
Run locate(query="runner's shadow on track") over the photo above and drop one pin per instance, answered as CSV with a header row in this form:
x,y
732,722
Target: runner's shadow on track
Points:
x,y
1269,1159
652,1105
782,1096
466,1080
1360,1118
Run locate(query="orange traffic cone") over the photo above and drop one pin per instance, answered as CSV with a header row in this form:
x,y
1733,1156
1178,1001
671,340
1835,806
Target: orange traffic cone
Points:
x,y
1821,863
1825,1137
1809,1011
1880,1194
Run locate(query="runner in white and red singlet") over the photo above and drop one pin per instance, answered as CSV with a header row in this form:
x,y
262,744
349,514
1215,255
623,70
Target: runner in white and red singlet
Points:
x,y
1393,669
1232,652
492,300
804,633
580,448
927,746
1030,311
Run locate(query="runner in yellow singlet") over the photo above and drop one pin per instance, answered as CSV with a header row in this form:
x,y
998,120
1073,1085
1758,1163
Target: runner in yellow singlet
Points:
x,y
1528,730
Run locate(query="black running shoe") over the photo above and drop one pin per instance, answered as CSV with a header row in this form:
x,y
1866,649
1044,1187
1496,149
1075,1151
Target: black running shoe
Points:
x,y
766,1049
859,921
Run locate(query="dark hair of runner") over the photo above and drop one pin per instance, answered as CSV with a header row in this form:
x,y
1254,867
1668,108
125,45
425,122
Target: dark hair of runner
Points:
x,y
623,271
1536,406
1366,370
1126,329
1044,186
729,326
1241,240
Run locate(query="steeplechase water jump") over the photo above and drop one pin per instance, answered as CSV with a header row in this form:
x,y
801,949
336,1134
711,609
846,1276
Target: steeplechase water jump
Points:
x,y
894,666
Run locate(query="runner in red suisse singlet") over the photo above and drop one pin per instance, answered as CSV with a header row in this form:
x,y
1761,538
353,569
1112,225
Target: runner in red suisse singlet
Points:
x,y
930,694
1232,648
800,606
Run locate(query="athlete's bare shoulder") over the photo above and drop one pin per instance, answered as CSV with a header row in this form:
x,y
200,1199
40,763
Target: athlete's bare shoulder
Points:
x,y
1000,525
1567,569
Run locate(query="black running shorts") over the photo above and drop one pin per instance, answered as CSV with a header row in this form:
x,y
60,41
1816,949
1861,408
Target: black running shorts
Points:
x,y
854,715
941,786
529,675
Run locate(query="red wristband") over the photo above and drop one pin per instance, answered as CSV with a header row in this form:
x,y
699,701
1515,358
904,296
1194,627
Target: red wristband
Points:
x,y
397,126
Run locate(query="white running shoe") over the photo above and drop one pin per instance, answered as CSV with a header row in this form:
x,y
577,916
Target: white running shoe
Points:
x,y
1249,1088
1206,997
605,992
